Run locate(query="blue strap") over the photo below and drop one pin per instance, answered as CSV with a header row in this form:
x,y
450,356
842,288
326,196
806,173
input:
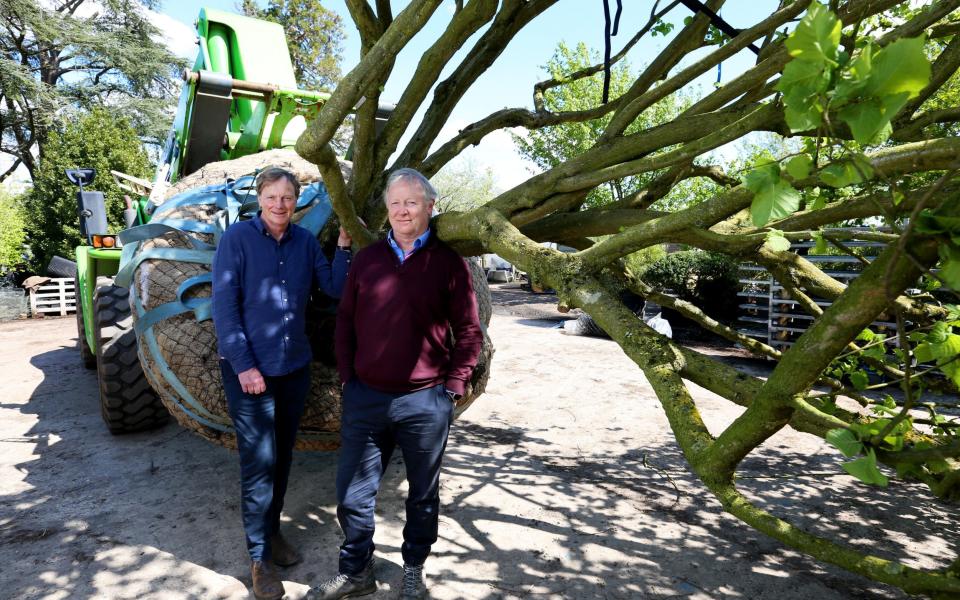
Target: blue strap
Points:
x,y
124,276
157,228
317,196
205,417
170,309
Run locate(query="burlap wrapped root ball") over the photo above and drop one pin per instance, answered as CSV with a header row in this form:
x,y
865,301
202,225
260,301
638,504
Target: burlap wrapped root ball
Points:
x,y
189,347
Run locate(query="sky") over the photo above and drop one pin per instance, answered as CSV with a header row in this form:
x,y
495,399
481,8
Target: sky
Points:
x,y
509,82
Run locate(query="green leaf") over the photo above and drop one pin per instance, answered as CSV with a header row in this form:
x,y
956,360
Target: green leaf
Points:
x,y
859,379
802,83
799,166
855,78
773,198
953,311
937,466
865,469
950,267
805,114
923,352
929,222
818,200
776,241
952,370
869,119
900,68
816,37
761,177
844,173
774,202
845,441
908,470
938,333
819,244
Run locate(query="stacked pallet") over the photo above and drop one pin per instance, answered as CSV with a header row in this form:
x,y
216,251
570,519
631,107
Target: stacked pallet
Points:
x,y
55,297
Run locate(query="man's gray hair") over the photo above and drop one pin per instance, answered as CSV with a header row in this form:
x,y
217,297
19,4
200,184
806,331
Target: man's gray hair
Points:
x,y
411,176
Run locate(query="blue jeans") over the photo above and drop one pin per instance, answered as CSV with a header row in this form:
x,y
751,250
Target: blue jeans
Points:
x,y
266,426
373,424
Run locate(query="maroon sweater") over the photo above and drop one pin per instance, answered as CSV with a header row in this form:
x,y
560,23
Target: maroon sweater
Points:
x,y
393,320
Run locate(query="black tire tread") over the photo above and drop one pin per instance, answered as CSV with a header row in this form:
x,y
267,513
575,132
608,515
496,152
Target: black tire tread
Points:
x,y
127,402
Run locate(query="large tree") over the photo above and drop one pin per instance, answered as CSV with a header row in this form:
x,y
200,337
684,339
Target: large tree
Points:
x,y
65,55
314,38
865,88
98,139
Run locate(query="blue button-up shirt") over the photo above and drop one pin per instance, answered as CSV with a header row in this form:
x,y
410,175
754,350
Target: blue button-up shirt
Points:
x,y
260,292
417,244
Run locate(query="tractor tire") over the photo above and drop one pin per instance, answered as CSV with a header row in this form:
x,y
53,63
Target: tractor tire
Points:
x,y
61,267
86,354
127,402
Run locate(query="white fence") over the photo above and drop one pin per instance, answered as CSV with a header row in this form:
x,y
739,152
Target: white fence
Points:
x,y
55,297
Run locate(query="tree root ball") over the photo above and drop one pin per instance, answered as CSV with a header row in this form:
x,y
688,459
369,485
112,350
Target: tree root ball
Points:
x,y
195,397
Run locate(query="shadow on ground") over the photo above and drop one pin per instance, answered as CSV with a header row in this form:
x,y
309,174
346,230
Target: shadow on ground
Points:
x,y
149,514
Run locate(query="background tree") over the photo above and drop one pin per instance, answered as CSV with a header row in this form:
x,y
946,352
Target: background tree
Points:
x,y
63,55
314,37
100,140
550,146
12,232
463,185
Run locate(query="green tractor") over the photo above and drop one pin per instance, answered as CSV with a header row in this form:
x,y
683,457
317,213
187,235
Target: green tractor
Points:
x,y
225,111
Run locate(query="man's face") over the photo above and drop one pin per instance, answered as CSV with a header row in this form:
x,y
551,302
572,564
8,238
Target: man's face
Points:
x,y
408,209
277,203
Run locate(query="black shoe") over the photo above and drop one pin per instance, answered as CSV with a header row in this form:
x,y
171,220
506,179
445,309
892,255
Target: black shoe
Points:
x,y
346,586
413,587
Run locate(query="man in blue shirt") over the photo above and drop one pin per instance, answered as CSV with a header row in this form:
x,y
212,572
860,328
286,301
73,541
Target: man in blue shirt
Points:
x,y
263,273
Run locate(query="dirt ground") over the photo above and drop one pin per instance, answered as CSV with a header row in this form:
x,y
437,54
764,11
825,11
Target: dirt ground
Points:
x,y
562,481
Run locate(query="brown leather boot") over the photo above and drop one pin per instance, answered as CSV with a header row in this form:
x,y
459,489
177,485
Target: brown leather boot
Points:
x,y
284,555
266,582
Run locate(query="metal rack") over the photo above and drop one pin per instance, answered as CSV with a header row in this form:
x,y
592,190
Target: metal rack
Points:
x,y
767,312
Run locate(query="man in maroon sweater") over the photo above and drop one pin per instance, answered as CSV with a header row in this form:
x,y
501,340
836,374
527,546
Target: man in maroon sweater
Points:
x,y
402,376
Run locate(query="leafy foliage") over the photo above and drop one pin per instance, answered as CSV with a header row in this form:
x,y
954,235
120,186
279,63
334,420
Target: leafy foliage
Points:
x,y
706,279
100,140
12,232
314,38
56,62
865,92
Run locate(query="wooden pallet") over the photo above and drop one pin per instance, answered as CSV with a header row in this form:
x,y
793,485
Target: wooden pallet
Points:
x,y
56,297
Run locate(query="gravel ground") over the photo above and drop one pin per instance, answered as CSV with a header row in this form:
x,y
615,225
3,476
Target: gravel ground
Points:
x,y
562,481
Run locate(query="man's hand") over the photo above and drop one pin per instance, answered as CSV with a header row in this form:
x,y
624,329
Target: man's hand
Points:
x,y
344,241
251,381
